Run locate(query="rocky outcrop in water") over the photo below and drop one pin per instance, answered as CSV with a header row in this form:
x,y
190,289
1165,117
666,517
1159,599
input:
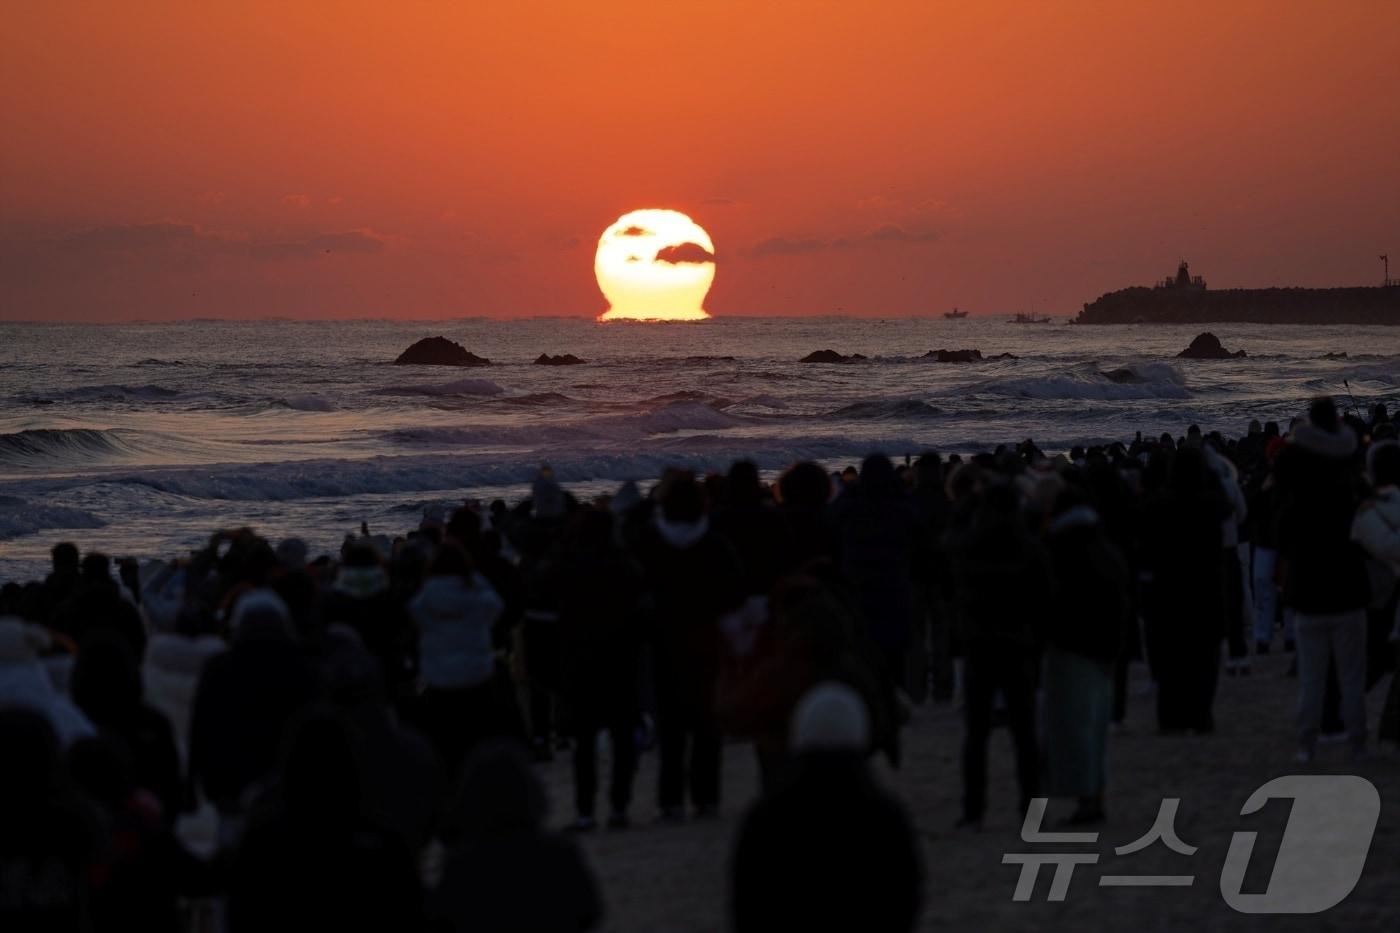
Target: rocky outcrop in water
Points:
x,y
830,356
963,356
563,359
1207,347
439,351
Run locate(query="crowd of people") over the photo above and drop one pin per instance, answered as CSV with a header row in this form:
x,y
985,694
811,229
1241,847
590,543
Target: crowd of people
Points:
x,y
362,729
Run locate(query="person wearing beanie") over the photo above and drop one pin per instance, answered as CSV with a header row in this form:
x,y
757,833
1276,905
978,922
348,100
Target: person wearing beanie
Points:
x,y
245,698
827,847
1084,632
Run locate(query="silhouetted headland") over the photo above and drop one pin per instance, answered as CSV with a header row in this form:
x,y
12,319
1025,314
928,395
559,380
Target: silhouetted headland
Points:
x,y
1185,299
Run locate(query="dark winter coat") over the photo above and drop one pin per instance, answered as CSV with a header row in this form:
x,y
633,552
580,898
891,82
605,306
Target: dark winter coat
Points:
x,y
827,849
1089,611
1319,492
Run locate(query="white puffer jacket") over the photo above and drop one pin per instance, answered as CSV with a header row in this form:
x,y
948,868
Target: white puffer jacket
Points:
x,y
171,673
454,620
1377,529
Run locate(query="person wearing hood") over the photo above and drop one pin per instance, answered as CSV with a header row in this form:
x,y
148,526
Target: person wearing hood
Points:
x,y
1084,633
1324,573
361,598
455,611
1377,529
24,681
693,577
827,848
504,871
246,697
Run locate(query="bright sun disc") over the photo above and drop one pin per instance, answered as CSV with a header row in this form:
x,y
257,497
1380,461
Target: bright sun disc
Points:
x,y
655,265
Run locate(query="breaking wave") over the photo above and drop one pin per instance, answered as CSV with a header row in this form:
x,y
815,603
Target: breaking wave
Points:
x,y
1133,381
21,517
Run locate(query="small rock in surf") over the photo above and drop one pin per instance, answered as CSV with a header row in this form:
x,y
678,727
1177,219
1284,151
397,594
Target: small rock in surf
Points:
x,y
1207,347
830,356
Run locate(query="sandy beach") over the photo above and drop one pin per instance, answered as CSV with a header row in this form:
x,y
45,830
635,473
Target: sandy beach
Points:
x,y
658,878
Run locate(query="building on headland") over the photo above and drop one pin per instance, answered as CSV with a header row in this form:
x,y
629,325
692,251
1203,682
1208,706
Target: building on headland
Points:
x,y
1185,299
1184,280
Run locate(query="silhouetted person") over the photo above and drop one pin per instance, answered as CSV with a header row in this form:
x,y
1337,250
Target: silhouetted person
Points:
x,y
1325,580
1184,591
761,539
826,848
814,636
1084,633
146,869
878,538
361,598
1377,529
51,840
804,492
504,871
931,645
310,860
244,701
693,577
1001,585
455,612
403,785
62,582
599,592
106,685
98,605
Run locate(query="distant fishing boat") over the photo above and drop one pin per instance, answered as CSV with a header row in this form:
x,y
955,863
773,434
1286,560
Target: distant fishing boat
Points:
x,y
955,315
1024,318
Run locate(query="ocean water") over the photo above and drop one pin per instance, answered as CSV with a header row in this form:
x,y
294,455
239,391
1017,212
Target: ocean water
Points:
x,y
141,439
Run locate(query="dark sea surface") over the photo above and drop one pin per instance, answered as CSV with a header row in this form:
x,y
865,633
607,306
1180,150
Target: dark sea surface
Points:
x,y
140,439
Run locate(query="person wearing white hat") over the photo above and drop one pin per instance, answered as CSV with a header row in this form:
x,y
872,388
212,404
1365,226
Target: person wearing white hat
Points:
x,y
827,848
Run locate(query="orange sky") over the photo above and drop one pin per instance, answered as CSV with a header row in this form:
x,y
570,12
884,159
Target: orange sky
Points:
x,y
430,160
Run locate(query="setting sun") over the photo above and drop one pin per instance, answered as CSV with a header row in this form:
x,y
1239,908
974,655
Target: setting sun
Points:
x,y
655,265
